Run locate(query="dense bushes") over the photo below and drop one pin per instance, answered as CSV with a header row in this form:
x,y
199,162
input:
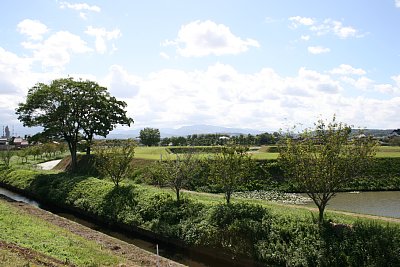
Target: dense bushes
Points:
x,y
244,230
382,174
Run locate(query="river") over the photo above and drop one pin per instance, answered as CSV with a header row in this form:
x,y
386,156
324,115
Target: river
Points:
x,y
382,203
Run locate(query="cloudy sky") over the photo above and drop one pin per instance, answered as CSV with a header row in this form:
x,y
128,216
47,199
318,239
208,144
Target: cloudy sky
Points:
x,y
259,64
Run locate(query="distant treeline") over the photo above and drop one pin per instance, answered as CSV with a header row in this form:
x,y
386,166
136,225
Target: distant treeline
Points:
x,y
221,139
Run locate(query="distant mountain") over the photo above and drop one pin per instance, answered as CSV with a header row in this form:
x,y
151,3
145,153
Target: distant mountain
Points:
x,y
207,129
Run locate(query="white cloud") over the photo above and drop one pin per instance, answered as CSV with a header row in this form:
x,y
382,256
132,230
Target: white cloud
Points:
x,y
198,39
305,37
397,3
396,78
56,51
318,50
327,26
34,29
343,31
80,6
102,36
345,69
164,55
297,21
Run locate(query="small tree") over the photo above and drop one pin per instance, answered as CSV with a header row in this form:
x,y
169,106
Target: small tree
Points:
x,y
177,173
323,160
149,136
6,156
115,161
229,167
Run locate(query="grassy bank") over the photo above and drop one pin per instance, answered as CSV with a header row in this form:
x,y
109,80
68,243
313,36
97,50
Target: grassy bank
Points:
x,y
39,236
266,232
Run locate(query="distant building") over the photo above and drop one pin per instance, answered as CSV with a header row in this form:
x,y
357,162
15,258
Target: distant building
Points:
x,y
7,132
20,143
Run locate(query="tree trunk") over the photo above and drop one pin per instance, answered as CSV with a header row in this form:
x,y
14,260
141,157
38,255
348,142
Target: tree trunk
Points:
x,y
74,160
228,197
178,198
321,209
88,149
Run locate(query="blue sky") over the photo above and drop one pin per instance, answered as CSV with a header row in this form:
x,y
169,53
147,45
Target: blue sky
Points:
x,y
250,64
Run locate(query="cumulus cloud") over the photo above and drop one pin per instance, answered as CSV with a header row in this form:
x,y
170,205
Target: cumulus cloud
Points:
x,y
318,50
164,55
202,38
34,29
345,69
56,51
397,3
102,36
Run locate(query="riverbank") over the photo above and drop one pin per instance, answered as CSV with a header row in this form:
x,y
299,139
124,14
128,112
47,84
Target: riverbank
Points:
x,y
111,251
270,234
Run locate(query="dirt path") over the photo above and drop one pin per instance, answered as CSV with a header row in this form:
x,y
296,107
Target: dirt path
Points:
x,y
134,255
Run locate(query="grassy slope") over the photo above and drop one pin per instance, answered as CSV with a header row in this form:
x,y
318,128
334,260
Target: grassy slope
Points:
x,y
34,233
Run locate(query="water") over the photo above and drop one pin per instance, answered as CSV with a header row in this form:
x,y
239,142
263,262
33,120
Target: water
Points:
x,y
165,250
382,203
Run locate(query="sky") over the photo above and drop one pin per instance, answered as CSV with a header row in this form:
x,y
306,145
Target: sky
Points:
x,y
257,64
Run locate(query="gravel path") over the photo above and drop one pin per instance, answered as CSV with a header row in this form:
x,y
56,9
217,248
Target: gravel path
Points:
x,y
49,164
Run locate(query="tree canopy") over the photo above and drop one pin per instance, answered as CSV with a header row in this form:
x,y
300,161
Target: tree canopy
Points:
x,y
150,136
323,159
72,110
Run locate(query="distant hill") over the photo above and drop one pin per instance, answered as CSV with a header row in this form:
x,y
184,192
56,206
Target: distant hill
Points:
x,y
211,129
207,129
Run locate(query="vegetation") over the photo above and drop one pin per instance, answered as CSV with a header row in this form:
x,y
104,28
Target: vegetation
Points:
x,y
115,161
70,110
33,233
176,174
149,136
229,168
272,234
324,159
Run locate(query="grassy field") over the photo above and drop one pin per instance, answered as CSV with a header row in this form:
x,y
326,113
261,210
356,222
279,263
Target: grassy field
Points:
x,y
154,153
40,236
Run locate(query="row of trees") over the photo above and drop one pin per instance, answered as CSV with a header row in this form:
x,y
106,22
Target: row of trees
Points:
x,y
151,137
320,160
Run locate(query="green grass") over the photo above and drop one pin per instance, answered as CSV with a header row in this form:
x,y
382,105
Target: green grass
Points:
x,y
154,153
36,234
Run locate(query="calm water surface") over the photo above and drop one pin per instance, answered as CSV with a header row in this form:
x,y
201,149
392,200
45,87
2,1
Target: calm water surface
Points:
x,y
385,203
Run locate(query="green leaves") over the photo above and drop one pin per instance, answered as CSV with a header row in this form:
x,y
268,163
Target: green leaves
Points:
x,y
324,159
72,110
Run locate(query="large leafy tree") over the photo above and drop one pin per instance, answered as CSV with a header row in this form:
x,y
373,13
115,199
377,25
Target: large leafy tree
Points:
x,y
324,159
150,136
72,110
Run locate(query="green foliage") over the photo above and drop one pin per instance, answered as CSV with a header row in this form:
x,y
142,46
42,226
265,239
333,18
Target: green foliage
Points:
x,y
244,230
6,155
229,168
72,110
149,136
115,161
322,160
